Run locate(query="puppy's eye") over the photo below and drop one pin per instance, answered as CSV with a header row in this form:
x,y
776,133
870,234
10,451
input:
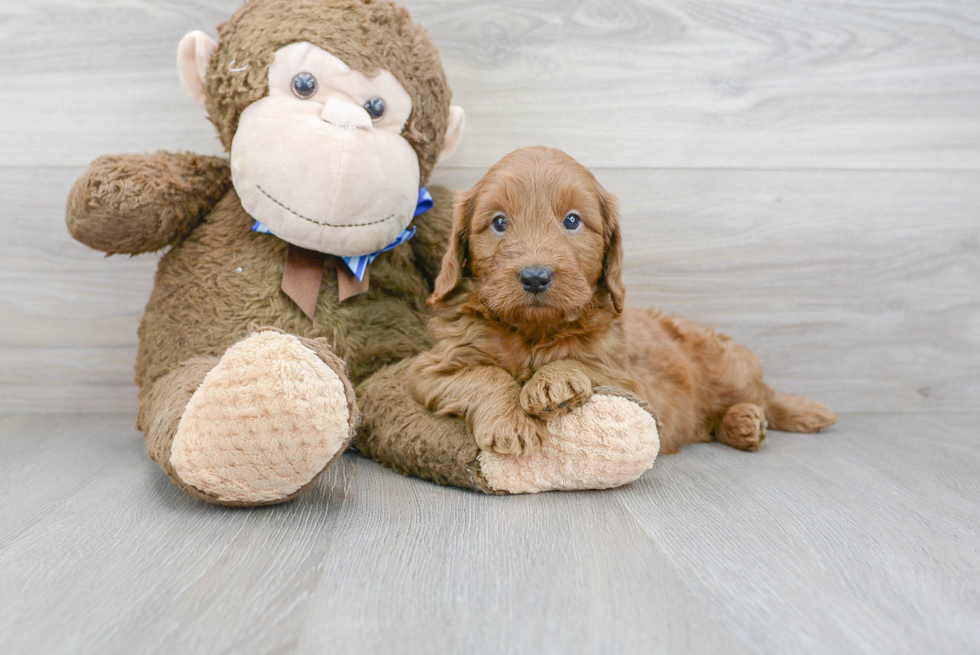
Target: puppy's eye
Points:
x,y
304,86
375,107
572,222
499,223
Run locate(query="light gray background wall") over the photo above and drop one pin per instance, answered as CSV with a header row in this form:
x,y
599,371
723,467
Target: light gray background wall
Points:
x,y
805,176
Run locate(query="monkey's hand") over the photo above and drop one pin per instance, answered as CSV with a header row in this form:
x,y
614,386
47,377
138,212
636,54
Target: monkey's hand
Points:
x,y
556,389
140,203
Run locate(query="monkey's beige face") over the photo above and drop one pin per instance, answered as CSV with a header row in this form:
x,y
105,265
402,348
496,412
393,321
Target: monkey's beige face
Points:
x,y
321,160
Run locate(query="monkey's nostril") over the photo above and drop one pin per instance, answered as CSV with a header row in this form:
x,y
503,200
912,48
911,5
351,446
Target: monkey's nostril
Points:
x,y
535,279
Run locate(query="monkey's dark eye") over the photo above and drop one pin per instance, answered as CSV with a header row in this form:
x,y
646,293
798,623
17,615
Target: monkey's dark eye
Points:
x,y
304,86
375,107
499,223
572,222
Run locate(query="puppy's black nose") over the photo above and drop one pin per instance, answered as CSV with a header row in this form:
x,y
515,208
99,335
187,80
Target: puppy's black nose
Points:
x,y
536,278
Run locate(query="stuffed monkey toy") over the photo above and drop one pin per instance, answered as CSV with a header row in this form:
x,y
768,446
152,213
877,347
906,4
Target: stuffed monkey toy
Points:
x,y
299,266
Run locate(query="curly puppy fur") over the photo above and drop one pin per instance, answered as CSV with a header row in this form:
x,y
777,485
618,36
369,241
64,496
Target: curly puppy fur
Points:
x,y
509,359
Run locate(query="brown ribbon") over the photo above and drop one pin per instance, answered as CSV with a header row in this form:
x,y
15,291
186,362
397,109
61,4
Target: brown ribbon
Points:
x,y
303,273
301,277
348,285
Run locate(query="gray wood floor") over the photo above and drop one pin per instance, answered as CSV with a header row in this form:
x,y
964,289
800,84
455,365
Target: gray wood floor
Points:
x,y
865,539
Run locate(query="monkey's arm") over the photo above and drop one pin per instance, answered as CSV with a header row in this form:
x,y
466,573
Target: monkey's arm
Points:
x,y
140,203
434,228
486,396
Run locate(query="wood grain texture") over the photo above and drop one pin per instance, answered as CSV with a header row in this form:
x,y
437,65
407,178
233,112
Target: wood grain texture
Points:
x,y
871,532
859,289
860,540
851,84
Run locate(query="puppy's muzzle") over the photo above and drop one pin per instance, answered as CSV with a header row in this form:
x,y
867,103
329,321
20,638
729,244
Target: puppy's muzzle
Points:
x,y
536,279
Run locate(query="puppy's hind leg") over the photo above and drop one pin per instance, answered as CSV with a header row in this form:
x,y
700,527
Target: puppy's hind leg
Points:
x,y
743,427
795,414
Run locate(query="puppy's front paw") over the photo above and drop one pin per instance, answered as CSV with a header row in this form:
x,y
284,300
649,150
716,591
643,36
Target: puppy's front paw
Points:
x,y
510,433
555,392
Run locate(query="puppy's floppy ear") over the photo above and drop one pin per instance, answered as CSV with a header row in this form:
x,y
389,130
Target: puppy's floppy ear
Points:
x,y
612,267
454,261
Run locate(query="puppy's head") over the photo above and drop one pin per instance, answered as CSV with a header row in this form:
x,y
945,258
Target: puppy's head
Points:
x,y
538,238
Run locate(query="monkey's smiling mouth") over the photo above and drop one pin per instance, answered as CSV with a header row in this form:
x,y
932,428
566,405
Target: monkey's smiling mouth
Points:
x,y
316,222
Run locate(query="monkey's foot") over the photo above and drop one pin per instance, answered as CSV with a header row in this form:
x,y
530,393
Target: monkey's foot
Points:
x,y
274,413
608,441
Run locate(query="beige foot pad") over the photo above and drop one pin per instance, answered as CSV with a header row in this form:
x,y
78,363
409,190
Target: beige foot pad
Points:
x,y
607,442
263,424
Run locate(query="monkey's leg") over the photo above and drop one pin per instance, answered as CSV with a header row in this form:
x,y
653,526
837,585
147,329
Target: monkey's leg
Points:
x,y
257,426
608,441
400,433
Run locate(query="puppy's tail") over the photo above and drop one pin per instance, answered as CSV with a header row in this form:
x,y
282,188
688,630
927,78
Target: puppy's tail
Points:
x,y
796,414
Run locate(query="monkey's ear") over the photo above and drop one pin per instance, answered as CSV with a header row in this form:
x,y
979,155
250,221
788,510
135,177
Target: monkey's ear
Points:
x,y
457,119
454,261
193,55
612,268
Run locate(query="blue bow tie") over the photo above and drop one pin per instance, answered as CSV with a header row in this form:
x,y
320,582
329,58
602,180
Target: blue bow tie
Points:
x,y
358,265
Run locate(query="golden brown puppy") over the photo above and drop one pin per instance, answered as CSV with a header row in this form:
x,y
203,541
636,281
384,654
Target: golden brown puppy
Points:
x,y
529,318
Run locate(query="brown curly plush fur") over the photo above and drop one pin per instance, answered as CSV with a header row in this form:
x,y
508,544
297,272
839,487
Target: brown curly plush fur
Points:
x,y
219,280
